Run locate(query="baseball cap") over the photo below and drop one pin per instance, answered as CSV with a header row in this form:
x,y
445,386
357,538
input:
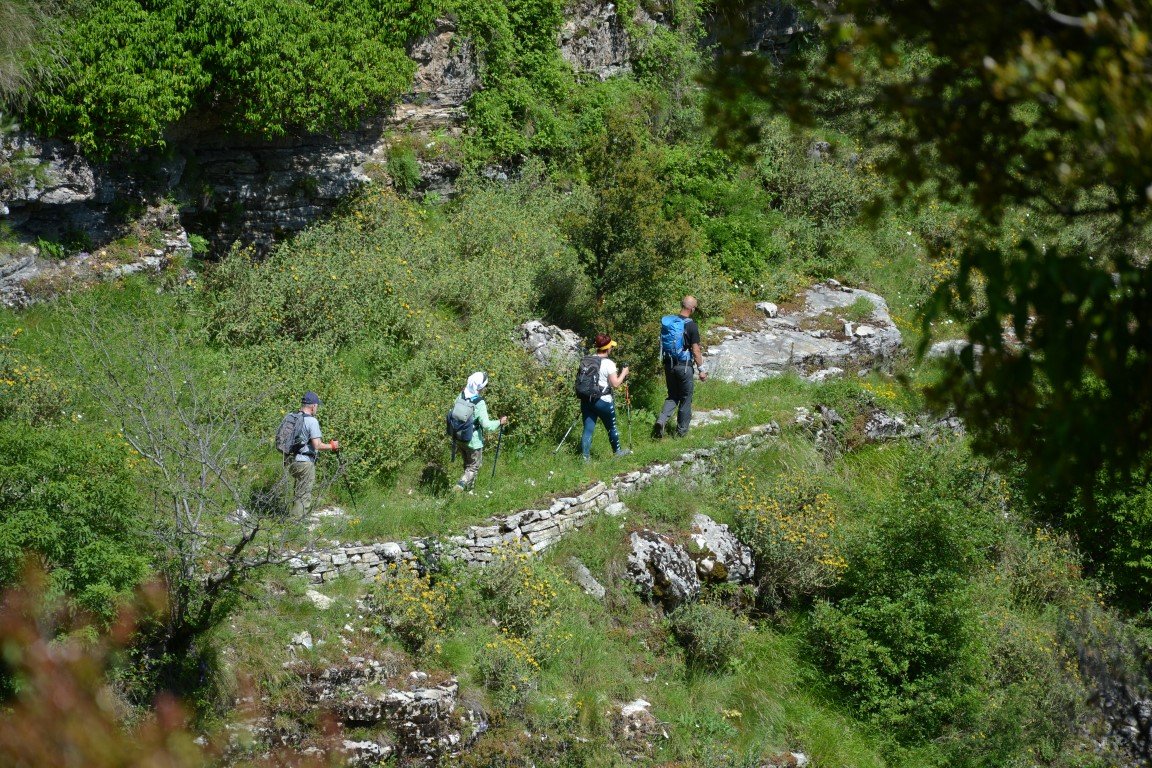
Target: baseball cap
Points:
x,y
310,398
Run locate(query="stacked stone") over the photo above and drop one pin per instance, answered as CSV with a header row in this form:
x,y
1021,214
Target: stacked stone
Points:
x,y
531,530
423,718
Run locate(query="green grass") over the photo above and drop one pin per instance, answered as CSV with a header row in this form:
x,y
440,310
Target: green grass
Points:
x,y
528,475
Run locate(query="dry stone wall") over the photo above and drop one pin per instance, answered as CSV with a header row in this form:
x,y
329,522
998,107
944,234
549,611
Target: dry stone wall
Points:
x,y
532,530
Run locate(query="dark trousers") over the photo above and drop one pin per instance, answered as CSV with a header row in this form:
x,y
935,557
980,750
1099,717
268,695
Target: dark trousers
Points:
x,y
605,411
680,379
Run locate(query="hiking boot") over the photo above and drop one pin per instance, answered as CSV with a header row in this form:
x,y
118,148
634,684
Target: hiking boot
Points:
x,y
586,458
657,431
457,488
623,452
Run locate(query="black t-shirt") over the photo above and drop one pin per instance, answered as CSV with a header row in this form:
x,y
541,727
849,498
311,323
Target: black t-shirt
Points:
x,y
691,334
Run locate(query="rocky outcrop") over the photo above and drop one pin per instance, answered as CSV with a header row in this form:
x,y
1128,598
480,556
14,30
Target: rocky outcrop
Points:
x,y
550,345
835,327
662,570
232,187
257,191
594,40
718,554
153,243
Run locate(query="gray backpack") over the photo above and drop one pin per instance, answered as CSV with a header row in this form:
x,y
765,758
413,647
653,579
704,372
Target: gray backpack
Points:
x,y
461,420
290,438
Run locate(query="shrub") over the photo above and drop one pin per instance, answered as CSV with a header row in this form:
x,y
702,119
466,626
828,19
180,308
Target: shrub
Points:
x,y
902,635
28,392
393,307
519,592
404,169
708,632
410,606
263,66
794,532
69,498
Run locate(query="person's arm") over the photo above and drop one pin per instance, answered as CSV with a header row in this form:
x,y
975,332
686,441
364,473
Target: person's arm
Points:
x,y
315,441
616,379
483,420
697,355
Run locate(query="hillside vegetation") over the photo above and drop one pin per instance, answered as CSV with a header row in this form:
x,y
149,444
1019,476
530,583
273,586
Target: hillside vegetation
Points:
x,y
929,601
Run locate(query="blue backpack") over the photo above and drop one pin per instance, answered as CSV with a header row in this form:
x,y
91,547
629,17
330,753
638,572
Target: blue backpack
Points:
x,y
672,338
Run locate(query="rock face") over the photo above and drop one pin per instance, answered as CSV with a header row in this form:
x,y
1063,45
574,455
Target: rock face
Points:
x,y
157,242
662,569
812,338
256,191
241,188
593,38
552,346
718,554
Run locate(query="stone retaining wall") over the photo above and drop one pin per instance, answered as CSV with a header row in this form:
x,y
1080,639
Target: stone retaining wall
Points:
x,y
531,529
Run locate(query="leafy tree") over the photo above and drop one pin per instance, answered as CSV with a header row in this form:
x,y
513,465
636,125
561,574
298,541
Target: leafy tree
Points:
x,y
1033,109
215,515
631,248
261,67
70,500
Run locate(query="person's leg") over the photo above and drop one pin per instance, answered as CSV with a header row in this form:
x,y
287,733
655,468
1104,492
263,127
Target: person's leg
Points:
x,y
670,402
688,384
606,410
304,476
472,460
589,413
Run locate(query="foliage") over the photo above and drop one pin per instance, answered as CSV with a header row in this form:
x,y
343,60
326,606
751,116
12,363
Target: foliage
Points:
x,y
1031,109
28,392
215,515
263,66
793,531
520,593
409,605
708,632
403,169
70,501
902,634
635,253
63,713
392,308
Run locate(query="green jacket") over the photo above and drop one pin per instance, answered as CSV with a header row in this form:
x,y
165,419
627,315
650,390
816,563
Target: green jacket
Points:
x,y
482,423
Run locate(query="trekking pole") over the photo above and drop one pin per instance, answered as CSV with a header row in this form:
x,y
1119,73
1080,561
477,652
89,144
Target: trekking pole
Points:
x,y
561,445
496,458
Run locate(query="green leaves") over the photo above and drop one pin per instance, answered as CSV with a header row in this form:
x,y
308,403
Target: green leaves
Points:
x,y
262,67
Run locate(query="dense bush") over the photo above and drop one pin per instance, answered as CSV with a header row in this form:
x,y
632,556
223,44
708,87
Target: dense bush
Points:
x,y
708,632
263,66
391,308
69,500
902,636
408,605
793,529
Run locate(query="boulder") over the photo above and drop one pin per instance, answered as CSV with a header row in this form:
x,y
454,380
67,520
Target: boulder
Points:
x,y
582,576
320,600
952,348
882,425
662,570
718,554
816,336
548,344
